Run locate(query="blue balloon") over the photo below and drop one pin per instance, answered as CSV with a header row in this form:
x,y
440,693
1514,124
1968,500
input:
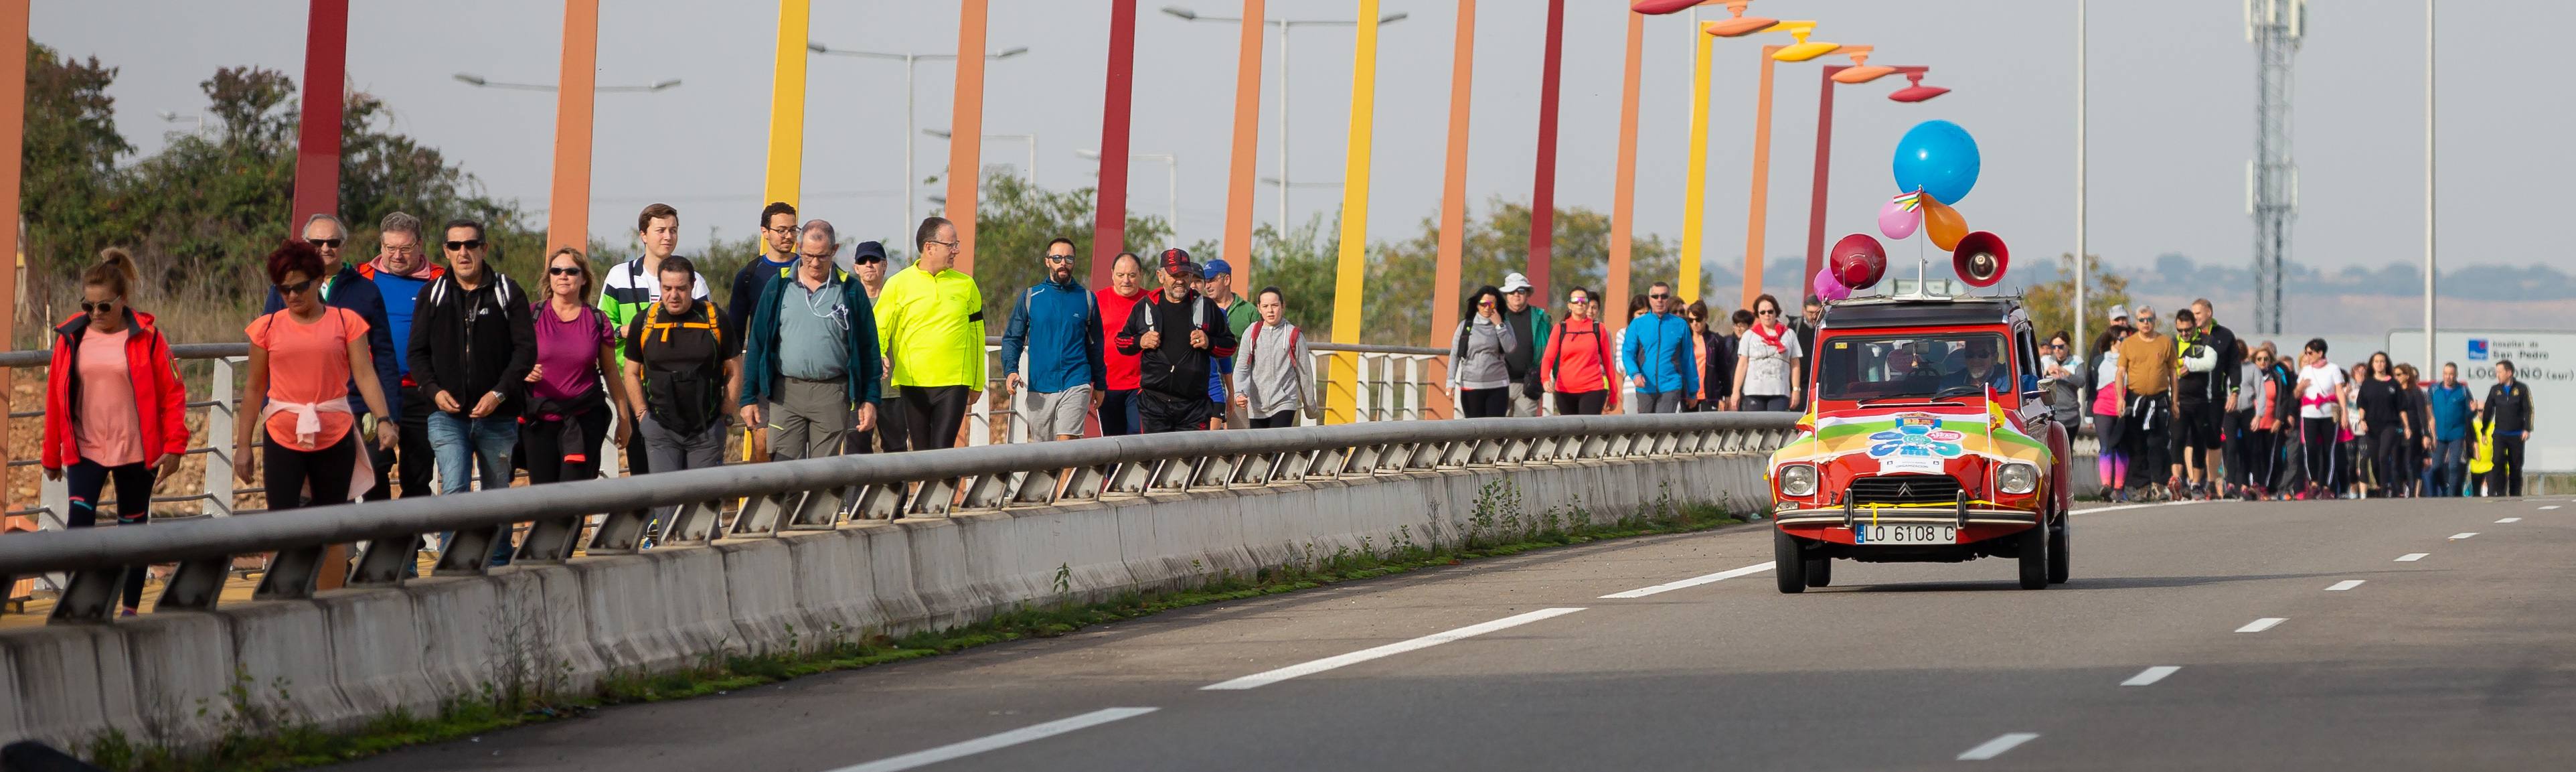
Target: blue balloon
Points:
x,y
1939,158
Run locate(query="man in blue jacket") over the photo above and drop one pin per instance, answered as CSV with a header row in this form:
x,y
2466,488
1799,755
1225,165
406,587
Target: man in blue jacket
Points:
x,y
347,289
810,354
1657,355
1058,323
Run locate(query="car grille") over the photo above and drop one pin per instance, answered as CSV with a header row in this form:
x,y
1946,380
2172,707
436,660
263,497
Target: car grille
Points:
x,y
1904,489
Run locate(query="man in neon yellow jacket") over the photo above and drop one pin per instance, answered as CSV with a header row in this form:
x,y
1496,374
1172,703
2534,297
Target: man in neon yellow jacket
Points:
x,y
930,324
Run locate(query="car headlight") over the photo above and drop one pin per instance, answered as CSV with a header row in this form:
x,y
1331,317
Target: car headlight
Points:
x,y
1798,480
2017,478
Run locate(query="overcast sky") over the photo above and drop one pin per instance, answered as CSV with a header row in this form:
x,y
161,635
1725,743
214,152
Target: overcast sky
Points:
x,y
2171,120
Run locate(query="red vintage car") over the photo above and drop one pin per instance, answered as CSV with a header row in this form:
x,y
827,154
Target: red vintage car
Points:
x,y
1928,442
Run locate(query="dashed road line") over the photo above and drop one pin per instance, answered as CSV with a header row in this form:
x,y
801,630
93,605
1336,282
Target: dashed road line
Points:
x,y
997,741
2261,625
2412,557
2547,507
2118,507
2463,535
2510,520
2344,585
1266,678
2151,675
1691,582
1997,746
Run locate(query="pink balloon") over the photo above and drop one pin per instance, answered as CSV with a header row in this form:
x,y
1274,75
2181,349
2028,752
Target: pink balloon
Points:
x,y
1897,221
1828,287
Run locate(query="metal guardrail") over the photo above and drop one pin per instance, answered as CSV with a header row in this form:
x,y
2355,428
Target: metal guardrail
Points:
x,y
825,493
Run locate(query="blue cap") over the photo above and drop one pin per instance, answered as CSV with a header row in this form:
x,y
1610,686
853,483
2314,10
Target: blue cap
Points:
x,y
1218,266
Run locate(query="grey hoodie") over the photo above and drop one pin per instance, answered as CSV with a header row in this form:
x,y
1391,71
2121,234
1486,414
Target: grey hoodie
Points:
x,y
1476,360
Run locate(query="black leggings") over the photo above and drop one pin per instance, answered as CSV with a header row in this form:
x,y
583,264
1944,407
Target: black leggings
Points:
x,y
1486,403
327,470
2388,458
2317,436
549,461
133,506
1278,420
931,415
1585,403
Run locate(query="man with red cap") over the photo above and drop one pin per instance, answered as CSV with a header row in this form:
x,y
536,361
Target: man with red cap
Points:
x,y
1176,335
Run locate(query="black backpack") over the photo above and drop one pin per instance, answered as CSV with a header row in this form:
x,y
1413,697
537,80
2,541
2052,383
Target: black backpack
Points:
x,y
685,402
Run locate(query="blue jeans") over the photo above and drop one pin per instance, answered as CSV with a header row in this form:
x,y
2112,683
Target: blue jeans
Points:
x,y
466,445
2450,466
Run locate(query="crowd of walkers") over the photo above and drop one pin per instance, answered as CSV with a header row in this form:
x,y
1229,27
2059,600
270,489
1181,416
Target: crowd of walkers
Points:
x,y
2194,412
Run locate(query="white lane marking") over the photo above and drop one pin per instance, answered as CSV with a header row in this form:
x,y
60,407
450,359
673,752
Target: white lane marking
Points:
x,y
1997,746
2412,557
2344,585
2261,625
997,741
1691,582
2510,520
1310,668
2118,507
2463,535
2150,675
2548,507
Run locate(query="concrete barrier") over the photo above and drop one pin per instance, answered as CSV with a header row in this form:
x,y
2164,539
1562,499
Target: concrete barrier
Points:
x,y
350,655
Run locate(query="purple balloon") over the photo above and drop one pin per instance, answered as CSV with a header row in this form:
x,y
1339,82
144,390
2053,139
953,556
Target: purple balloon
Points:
x,y
1897,222
1828,287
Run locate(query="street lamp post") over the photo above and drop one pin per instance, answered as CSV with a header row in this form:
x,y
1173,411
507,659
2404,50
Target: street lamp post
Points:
x,y
1284,25
478,81
909,87
2429,274
1031,139
171,117
1172,169
1859,71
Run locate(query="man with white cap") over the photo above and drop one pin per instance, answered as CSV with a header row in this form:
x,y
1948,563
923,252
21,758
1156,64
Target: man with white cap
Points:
x,y
1529,325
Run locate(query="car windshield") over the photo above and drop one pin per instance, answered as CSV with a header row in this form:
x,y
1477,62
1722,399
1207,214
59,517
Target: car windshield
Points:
x,y
1861,367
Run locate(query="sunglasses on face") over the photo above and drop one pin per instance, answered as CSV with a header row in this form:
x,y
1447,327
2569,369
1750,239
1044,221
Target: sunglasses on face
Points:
x,y
1484,304
1576,301
867,260
1059,258
296,288
1657,297
331,243
453,246
1767,312
563,271
91,308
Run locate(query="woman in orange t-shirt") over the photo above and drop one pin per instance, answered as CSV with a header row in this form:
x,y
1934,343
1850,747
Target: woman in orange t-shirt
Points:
x,y
302,359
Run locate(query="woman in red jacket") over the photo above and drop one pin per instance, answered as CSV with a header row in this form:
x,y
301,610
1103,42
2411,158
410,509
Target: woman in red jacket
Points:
x,y
113,405
1577,366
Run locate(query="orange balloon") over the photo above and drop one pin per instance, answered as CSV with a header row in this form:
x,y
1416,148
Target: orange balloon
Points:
x,y
1943,223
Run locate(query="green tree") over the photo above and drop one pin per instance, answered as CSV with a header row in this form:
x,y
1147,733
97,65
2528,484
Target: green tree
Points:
x,y
2050,301
1402,274
1014,220
68,160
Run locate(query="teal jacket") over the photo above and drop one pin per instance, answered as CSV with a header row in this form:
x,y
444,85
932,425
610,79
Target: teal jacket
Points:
x,y
760,340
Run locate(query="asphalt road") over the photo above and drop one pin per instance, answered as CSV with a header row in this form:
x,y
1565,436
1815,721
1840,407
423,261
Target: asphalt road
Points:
x,y
2157,656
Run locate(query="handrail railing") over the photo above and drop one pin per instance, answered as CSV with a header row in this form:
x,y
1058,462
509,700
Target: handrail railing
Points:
x,y
824,493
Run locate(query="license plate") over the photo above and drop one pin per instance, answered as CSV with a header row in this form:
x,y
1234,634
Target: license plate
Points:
x,y
1905,534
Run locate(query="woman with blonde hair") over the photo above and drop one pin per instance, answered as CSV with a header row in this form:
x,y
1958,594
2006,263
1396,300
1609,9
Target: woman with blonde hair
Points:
x,y
568,413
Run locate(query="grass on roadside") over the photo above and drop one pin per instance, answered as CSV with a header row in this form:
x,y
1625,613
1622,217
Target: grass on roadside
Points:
x,y
266,735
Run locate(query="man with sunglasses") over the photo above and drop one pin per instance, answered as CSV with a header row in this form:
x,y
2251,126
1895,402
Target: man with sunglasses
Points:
x,y
473,341
2149,364
868,263
1656,354
346,288
1528,324
1057,323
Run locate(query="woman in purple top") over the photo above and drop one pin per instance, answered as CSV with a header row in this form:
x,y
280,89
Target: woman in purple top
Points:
x,y
568,413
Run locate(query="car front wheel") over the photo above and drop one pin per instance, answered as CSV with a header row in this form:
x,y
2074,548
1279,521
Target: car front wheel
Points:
x,y
1787,565
2034,557
2060,540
